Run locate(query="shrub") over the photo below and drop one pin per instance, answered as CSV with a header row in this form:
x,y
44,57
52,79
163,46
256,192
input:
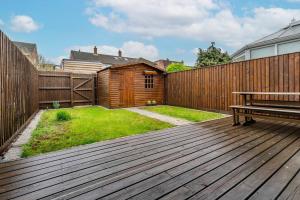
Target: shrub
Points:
x,y
55,104
63,116
176,67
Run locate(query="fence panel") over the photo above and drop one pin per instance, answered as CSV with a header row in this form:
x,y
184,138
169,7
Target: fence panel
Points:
x,y
18,91
68,89
211,88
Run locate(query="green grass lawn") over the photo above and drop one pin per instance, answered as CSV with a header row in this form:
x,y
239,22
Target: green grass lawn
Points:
x,y
87,125
184,113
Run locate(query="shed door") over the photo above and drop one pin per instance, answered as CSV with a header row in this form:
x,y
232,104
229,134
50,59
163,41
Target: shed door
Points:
x,y
127,88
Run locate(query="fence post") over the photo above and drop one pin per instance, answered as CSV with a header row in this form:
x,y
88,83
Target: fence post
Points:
x,y
94,78
71,90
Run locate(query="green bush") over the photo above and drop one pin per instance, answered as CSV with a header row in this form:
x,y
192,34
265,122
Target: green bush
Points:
x,y
63,116
56,104
176,67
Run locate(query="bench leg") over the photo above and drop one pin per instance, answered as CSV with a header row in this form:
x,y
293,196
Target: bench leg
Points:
x,y
248,120
236,117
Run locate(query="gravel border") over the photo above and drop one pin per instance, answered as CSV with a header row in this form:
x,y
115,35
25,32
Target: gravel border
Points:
x,y
15,150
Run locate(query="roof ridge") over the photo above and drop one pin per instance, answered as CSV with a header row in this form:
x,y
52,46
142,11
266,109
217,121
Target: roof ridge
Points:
x,y
103,54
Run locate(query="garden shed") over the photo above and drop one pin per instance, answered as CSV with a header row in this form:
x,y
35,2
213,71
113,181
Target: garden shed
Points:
x,y
129,85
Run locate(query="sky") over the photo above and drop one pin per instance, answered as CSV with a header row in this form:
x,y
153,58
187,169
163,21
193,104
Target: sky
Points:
x,y
153,29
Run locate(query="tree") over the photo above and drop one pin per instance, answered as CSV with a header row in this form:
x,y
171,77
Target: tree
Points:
x,y
212,56
176,67
44,64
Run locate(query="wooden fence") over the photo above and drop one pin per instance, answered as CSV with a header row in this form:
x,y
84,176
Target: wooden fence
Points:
x,y
18,91
211,88
68,89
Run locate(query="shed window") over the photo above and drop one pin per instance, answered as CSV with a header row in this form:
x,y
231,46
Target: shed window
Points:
x,y
148,81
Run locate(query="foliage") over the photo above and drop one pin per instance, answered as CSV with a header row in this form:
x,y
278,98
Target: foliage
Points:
x,y
176,67
63,116
184,113
153,102
212,56
44,64
55,104
88,125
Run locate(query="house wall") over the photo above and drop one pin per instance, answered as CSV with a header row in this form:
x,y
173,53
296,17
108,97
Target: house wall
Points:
x,y
81,67
141,94
269,50
34,57
103,88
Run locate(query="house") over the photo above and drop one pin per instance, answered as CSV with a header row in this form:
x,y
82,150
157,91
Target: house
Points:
x,y
284,41
86,62
81,66
165,63
29,50
130,84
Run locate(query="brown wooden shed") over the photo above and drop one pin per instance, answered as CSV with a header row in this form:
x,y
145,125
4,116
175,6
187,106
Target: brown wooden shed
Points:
x,y
130,85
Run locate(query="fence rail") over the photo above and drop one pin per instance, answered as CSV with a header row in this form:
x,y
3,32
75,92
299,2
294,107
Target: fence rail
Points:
x,y
18,91
68,89
211,88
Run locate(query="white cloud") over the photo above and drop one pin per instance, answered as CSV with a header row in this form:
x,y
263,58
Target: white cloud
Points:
x,y
205,20
129,49
1,23
23,23
195,51
55,60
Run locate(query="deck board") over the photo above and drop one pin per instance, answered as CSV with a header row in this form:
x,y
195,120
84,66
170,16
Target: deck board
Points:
x,y
210,160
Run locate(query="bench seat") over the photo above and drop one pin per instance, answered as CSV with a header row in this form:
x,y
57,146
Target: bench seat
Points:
x,y
268,109
288,114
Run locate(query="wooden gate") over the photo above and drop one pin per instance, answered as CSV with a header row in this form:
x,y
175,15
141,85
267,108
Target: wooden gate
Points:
x,y
82,90
67,88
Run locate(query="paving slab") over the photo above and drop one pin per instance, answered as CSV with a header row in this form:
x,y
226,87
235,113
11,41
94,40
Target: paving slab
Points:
x,y
164,118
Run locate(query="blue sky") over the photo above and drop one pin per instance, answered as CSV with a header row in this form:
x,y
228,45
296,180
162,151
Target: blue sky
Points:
x,y
142,28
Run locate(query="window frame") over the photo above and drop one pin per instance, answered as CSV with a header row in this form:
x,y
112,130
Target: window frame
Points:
x,y
149,81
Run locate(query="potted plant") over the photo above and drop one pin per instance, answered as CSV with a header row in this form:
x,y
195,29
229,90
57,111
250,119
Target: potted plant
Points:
x,y
55,104
153,102
149,103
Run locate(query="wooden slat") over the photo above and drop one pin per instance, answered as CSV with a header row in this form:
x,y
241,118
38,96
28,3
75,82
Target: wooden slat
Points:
x,y
18,91
262,76
198,161
189,154
191,170
246,188
54,88
69,89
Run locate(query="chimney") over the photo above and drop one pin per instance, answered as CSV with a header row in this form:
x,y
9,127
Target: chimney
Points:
x,y
120,53
95,50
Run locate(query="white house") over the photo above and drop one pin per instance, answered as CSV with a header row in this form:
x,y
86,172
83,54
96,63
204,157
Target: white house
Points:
x,y
286,40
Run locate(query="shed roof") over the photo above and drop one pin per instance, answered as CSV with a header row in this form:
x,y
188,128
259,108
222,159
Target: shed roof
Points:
x,y
133,63
290,32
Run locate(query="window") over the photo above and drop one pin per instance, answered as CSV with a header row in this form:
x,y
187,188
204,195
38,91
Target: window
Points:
x,y
289,47
263,52
148,81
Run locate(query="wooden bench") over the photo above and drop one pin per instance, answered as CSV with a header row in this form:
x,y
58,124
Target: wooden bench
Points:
x,y
263,112
249,110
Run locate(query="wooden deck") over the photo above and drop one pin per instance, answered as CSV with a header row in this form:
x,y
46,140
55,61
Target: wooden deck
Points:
x,y
212,160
